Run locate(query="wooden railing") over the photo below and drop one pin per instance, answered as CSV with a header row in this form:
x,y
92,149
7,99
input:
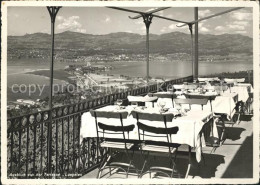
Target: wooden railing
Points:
x,y
34,138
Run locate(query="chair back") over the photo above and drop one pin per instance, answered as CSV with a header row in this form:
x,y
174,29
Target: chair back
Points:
x,y
190,102
208,79
148,133
111,129
166,95
152,116
198,96
178,86
190,86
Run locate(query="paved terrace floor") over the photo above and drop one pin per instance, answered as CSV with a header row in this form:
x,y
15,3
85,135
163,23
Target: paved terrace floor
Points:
x,y
234,159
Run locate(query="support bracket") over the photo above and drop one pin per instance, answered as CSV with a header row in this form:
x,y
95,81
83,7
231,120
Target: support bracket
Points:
x,y
53,10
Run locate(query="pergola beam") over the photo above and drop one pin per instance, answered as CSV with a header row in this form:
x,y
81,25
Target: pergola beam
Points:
x,y
150,12
211,16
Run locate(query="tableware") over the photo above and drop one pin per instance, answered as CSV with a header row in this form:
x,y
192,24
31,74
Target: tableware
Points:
x,y
134,104
178,107
118,103
162,104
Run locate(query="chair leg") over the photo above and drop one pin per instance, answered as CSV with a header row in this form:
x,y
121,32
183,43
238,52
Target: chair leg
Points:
x,y
102,166
142,169
187,172
238,118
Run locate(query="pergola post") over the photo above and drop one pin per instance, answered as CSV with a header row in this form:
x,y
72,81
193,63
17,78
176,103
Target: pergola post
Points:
x,y
53,12
147,20
196,46
192,48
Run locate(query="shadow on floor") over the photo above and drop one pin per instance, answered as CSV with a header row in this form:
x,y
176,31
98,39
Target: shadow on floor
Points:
x,y
246,117
207,170
234,133
242,164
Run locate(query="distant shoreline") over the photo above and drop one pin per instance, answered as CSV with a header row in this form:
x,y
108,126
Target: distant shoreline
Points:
x,y
29,71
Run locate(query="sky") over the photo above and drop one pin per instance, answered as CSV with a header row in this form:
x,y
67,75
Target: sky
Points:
x,y
101,20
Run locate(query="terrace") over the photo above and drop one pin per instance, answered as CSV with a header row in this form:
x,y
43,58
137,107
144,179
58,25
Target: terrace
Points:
x,y
50,144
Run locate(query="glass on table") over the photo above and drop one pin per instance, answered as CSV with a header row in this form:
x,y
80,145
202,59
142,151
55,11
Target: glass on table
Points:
x,y
118,103
162,105
134,104
178,107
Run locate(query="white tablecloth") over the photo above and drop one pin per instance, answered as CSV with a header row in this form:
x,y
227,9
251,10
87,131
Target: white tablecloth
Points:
x,y
241,91
208,79
225,104
189,126
248,85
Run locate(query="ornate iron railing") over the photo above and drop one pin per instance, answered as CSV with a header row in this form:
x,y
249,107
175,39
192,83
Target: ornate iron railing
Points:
x,y
29,135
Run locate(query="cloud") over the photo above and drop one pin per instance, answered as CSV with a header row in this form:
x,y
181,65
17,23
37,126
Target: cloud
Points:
x,y
241,16
161,13
241,32
203,13
220,28
71,23
173,26
143,28
170,15
107,19
242,23
139,21
236,27
204,29
163,29
59,18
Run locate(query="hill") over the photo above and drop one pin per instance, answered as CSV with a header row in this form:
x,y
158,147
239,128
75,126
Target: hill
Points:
x,y
73,44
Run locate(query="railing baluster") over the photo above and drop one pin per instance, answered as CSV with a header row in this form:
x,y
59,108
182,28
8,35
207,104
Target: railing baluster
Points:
x,y
68,132
57,137
62,146
27,149
41,147
34,149
20,141
73,138
88,152
79,125
12,145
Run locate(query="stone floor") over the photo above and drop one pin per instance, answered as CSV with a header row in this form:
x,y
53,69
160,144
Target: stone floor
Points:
x,y
234,159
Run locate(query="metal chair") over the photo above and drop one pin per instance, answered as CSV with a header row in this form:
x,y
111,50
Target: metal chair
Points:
x,y
148,137
140,100
191,101
112,144
167,96
210,98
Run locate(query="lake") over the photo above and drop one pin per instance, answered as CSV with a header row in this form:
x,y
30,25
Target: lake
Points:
x,y
17,71
157,69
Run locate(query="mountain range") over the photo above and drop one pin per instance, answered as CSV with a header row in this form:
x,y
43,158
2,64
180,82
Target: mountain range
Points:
x,y
131,43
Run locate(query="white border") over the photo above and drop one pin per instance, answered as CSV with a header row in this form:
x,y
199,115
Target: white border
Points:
x,y
255,7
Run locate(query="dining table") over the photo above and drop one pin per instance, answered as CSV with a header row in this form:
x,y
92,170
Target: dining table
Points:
x,y
242,92
190,124
223,103
249,86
